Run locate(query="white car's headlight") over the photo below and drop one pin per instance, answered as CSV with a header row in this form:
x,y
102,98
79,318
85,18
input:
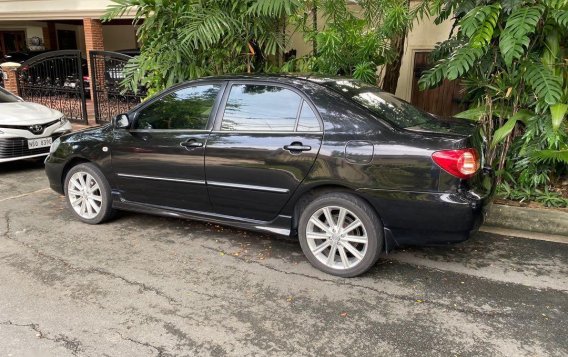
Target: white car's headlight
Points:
x,y
54,145
63,121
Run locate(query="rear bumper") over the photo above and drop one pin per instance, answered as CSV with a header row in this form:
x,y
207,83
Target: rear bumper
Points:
x,y
419,218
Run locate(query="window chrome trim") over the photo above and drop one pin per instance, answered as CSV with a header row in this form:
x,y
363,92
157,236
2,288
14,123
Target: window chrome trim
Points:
x,y
200,182
157,131
266,132
248,187
218,119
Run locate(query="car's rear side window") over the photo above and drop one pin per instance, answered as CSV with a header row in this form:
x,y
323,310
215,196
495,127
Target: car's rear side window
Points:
x,y
308,120
187,108
388,107
252,107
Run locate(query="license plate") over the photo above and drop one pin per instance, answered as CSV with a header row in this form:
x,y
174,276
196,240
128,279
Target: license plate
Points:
x,y
39,143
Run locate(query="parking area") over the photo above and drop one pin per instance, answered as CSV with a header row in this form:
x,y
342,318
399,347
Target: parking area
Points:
x,y
151,286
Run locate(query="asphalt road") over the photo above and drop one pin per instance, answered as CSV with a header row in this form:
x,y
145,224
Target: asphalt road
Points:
x,y
150,286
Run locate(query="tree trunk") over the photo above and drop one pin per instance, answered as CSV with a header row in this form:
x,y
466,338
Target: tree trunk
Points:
x,y
315,29
392,70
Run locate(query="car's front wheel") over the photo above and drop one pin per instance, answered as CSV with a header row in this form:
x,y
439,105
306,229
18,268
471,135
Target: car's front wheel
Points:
x,y
88,194
340,234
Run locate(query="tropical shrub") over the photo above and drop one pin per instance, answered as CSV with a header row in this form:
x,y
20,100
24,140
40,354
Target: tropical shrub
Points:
x,y
354,40
186,39
512,59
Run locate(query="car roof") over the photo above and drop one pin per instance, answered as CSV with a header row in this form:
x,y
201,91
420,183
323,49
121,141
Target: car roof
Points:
x,y
308,77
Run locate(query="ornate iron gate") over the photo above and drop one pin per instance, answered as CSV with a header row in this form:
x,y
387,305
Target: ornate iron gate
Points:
x,y
56,80
110,98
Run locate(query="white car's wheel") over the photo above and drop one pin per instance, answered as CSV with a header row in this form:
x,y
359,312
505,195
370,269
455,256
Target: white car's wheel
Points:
x,y
88,194
340,234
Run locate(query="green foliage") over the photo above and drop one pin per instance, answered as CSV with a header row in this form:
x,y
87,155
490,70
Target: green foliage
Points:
x,y
365,72
185,39
514,40
511,57
558,113
561,18
477,113
462,61
353,41
501,133
546,197
544,83
479,24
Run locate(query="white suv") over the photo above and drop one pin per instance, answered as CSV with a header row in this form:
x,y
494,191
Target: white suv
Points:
x,y
27,129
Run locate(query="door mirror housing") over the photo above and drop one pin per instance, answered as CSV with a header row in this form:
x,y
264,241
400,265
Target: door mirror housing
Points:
x,y
121,122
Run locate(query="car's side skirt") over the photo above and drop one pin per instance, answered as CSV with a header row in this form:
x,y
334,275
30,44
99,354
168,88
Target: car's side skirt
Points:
x,y
281,225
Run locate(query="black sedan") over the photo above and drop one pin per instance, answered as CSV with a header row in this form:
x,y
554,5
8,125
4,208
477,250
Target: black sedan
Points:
x,y
351,170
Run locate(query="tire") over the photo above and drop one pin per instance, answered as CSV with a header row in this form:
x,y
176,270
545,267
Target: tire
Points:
x,y
92,207
361,244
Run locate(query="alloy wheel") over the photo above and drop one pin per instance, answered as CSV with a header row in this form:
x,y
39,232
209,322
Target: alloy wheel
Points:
x,y
85,195
337,237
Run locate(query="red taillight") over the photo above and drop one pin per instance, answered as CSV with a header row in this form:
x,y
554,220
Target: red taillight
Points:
x,y
462,163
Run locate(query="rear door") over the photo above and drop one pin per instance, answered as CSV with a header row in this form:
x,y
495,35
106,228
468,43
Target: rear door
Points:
x,y
265,141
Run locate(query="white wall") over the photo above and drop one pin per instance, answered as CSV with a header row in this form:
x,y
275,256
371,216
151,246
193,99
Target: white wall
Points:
x,y
51,9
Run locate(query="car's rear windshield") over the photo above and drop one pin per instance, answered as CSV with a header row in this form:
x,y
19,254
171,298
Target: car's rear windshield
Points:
x,y
7,97
388,107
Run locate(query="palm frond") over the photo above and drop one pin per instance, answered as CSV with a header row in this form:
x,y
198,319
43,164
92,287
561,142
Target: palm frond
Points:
x,y
479,24
544,83
514,39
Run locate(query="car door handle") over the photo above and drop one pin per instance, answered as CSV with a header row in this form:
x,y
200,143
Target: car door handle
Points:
x,y
297,147
191,143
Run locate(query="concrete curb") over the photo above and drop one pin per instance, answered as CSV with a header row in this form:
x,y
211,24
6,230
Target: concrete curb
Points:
x,y
539,220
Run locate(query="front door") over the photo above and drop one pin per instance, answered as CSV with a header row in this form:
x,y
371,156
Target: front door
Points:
x,y
160,160
265,142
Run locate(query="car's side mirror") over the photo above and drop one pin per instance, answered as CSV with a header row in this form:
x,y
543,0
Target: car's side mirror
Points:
x,y
121,121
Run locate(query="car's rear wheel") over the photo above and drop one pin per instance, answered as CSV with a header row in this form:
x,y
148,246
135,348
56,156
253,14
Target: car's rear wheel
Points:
x,y
88,194
340,234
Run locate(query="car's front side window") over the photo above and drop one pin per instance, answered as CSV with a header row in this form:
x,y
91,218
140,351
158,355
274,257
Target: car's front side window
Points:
x,y
252,107
188,108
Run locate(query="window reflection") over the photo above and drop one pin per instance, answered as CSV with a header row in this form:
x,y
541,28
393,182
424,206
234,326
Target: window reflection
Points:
x,y
308,120
187,108
260,108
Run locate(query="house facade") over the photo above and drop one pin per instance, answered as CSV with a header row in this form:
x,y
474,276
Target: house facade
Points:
x,y
61,24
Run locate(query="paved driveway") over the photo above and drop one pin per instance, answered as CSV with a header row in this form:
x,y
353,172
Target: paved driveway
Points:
x,y
150,286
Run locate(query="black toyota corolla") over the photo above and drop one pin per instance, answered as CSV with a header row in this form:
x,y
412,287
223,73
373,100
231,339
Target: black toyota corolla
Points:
x,y
352,171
